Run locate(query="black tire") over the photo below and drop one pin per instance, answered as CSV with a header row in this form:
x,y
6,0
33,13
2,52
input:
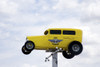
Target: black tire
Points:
x,y
26,52
29,45
67,55
75,48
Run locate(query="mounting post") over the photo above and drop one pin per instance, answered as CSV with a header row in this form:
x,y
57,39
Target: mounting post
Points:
x,y
54,57
55,60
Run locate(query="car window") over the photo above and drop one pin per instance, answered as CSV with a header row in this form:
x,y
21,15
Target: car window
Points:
x,y
55,31
65,32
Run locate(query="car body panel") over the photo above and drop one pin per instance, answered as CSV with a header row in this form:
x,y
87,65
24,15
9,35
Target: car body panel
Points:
x,y
51,41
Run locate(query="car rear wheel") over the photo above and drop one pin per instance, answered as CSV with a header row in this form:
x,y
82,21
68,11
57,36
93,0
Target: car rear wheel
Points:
x,y
75,48
25,51
67,55
29,45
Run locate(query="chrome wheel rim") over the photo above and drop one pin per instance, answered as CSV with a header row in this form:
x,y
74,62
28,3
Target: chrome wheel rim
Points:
x,y
29,46
75,48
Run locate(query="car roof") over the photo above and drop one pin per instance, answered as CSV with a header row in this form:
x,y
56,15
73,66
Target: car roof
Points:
x,y
63,29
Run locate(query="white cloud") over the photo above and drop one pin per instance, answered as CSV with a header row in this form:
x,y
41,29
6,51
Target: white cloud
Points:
x,y
91,11
87,10
8,7
28,65
63,4
19,19
6,55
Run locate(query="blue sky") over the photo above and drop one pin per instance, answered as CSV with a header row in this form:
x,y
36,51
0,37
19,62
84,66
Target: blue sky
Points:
x,y
21,18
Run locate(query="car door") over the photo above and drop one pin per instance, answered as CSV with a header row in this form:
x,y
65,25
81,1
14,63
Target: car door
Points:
x,y
55,38
68,36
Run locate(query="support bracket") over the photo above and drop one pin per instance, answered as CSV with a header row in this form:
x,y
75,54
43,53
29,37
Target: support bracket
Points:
x,y
54,57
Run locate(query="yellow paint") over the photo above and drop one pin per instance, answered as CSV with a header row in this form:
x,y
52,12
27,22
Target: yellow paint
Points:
x,y
43,43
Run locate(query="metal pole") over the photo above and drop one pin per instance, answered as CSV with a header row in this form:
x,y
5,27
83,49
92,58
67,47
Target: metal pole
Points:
x,y
54,60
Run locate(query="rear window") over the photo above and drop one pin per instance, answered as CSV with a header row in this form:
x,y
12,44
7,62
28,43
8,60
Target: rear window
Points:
x,y
55,31
68,32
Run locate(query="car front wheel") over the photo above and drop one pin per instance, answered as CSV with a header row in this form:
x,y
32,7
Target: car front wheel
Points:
x,y
25,51
67,55
29,45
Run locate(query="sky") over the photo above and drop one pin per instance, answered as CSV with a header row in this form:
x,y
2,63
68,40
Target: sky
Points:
x,y
21,18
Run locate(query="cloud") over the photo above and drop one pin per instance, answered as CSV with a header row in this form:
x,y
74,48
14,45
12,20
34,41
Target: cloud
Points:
x,y
28,65
91,11
19,19
63,4
88,11
4,56
8,7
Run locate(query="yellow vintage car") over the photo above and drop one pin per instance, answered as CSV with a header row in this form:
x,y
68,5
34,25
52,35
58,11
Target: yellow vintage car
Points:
x,y
69,40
